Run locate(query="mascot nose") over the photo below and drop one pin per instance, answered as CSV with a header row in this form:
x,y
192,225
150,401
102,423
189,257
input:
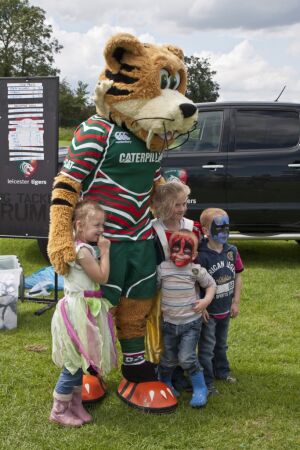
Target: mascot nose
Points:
x,y
187,109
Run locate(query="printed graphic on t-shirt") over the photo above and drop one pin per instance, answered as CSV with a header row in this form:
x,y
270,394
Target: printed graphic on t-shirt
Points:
x,y
223,290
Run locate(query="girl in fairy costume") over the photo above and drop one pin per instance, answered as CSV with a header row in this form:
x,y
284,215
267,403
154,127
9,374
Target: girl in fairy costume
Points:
x,y
82,331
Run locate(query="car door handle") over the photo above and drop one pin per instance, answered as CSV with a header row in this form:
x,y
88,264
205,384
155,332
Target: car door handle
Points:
x,y
213,166
291,165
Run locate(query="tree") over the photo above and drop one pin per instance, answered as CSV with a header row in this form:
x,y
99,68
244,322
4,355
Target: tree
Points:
x,y
201,87
74,104
26,44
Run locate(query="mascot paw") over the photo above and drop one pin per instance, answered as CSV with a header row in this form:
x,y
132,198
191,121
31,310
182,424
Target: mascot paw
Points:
x,y
150,396
138,374
59,264
60,260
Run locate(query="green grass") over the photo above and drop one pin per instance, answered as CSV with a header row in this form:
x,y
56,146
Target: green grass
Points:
x,y
260,412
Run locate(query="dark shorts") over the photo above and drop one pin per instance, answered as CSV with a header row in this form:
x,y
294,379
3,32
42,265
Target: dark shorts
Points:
x,y
132,271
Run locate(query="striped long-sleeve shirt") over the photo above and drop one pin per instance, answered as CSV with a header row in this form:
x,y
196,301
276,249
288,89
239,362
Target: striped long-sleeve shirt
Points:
x,y
180,291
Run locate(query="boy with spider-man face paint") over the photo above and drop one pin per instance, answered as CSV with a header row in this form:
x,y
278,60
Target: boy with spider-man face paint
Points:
x,y
183,248
224,264
182,312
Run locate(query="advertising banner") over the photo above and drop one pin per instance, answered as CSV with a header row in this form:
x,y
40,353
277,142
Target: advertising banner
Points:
x,y
28,154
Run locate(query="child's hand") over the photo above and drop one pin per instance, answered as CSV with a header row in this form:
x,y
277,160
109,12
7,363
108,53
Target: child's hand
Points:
x,y
199,306
234,310
205,316
103,244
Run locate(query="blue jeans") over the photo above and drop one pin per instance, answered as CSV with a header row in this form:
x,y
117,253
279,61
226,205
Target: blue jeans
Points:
x,y
212,349
67,382
179,347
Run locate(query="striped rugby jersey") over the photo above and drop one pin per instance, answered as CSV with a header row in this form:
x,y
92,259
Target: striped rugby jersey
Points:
x,y
116,169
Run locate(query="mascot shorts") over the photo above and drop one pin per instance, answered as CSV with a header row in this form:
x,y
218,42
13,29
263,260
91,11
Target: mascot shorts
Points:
x,y
132,271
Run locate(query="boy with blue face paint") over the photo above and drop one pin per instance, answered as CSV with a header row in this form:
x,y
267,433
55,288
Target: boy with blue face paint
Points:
x,y
219,229
223,263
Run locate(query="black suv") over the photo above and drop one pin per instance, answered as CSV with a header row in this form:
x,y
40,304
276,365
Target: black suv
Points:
x,y
244,157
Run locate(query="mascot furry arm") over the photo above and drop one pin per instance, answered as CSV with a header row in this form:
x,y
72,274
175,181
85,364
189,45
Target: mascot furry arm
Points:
x,y
61,244
114,158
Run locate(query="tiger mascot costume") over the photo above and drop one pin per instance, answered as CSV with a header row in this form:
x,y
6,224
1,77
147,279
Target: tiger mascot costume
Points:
x,y
114,158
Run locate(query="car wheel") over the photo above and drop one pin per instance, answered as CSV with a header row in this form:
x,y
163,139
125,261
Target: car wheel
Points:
x,y
42,243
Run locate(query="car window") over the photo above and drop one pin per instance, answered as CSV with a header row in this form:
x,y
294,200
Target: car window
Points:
x,y
206,135
266,129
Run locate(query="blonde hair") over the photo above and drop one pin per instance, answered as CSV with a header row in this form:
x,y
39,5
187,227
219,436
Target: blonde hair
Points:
x,y
166,195
207,215
85,208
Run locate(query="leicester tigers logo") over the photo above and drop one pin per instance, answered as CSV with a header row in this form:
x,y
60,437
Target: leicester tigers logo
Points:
x,y
142,89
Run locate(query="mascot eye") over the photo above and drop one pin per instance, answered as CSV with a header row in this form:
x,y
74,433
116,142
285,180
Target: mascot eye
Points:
x,y
174,81
164,79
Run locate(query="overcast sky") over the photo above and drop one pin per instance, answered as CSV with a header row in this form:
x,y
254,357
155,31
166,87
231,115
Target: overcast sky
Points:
x,y
253,45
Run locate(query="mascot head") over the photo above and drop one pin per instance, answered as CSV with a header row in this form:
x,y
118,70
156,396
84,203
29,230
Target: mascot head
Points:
x,y
142,89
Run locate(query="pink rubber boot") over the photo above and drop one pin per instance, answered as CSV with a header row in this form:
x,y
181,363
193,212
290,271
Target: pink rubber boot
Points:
x,y
61,412
77,408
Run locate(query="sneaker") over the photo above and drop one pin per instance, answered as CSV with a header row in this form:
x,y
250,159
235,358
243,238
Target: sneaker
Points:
x,y
212,390
230,379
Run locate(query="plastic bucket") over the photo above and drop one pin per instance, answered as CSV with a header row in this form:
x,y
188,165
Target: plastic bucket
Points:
x,y
11,275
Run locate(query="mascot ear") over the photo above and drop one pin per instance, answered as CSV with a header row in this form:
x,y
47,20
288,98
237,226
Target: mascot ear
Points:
x,y
117,46
175,50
